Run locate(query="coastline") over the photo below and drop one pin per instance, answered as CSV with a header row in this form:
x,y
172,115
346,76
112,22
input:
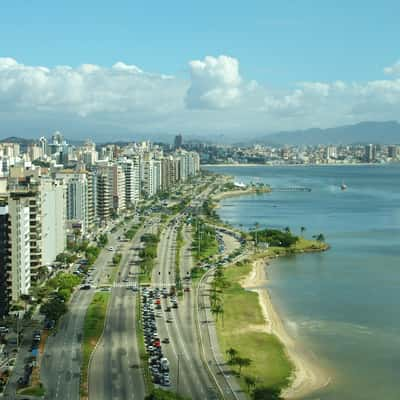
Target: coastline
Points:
x,y
308,376
239,192
298,165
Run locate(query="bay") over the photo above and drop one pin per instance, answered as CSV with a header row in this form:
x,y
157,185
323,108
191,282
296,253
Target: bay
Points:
x,y
343,305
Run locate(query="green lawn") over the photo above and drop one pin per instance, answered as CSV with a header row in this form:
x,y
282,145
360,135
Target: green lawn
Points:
x,y
37,391
92,329
241,329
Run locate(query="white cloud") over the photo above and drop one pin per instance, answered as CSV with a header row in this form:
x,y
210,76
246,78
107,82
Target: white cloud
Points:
x,y
215,83
393,69
215,98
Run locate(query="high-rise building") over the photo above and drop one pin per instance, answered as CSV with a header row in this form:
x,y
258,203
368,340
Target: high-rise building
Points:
x,y
103,197
19,243
53,218
370,153
393,151
5,284
178,141
77,200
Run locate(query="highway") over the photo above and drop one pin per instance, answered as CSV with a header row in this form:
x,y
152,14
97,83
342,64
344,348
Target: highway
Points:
x,y
61,362
115,370
187,372
214,359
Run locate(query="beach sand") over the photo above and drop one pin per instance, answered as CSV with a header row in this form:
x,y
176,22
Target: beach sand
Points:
x,y
308,376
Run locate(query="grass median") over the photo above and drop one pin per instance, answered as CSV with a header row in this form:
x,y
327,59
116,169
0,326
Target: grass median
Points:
x,y
241,328
92,329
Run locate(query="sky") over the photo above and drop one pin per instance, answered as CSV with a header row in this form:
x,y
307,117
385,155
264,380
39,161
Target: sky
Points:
x,y
215,69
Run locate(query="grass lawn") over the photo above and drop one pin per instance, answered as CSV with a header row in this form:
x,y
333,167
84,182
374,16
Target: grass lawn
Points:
x,y
241,329
92,329
37,391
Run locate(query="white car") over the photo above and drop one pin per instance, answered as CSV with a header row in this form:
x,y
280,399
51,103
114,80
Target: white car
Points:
x,y
110,249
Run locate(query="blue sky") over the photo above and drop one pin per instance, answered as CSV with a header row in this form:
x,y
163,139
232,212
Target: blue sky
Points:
x,y
276,43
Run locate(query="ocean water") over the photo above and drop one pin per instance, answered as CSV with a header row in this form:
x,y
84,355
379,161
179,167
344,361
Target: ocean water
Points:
x,y
344,304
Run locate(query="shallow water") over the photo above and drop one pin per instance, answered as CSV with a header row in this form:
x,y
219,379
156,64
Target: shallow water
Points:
x,y
344,305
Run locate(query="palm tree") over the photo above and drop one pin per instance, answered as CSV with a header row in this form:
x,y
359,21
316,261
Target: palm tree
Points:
x,y
232,353
250,382
242,362
215,299
217,309
287,229
320,238
302,230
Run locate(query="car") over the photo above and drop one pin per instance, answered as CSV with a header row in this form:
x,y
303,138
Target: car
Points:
x,y
165,340
187,289
169,320
110,249
85,287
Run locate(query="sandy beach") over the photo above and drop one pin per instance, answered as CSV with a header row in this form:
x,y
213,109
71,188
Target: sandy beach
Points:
x,y
308,376
238,192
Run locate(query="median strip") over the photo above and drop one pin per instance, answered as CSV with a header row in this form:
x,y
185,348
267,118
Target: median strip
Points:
x,y
92,330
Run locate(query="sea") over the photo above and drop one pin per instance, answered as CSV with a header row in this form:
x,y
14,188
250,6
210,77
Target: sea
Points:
x,y
343,305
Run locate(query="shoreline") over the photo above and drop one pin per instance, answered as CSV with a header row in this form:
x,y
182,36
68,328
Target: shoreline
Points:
x,y
239,192
299,165
308,377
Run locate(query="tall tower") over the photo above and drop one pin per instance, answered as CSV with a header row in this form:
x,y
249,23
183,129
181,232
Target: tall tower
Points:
x,y
178,141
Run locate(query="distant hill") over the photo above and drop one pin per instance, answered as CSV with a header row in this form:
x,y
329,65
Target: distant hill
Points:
x,y
387,132
15,139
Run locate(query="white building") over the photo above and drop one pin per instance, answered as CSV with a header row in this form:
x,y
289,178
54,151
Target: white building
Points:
x,y
77,200
20,247
53,217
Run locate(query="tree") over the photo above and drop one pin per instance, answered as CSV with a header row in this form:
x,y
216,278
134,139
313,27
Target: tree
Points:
x,y
287,229
215,299
320,238
232,353
54,309
217,310
266,393
302,230
241,362
250,382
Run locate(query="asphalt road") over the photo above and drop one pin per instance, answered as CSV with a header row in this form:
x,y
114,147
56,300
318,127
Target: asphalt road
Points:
x,y
60,365
219,369
187,372
115,371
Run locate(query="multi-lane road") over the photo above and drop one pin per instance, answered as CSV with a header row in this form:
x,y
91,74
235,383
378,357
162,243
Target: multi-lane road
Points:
x,y
115,370
187,372
61,362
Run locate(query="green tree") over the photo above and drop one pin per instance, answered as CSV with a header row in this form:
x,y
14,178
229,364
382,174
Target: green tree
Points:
x,y
302,230
241,362
232,353
266,393
54,309
250,382
320,238
217,310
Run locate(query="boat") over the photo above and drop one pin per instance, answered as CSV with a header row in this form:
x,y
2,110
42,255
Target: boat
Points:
x,y
343,186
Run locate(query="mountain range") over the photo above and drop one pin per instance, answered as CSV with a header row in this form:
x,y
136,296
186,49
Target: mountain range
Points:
x,y
387,132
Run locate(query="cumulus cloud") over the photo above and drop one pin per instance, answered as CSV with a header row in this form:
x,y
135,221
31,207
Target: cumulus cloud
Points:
x,y
213,98
215,83
87,89
393,69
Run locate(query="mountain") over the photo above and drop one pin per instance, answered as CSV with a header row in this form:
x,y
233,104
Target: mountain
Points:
x,y
387,132
19,140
